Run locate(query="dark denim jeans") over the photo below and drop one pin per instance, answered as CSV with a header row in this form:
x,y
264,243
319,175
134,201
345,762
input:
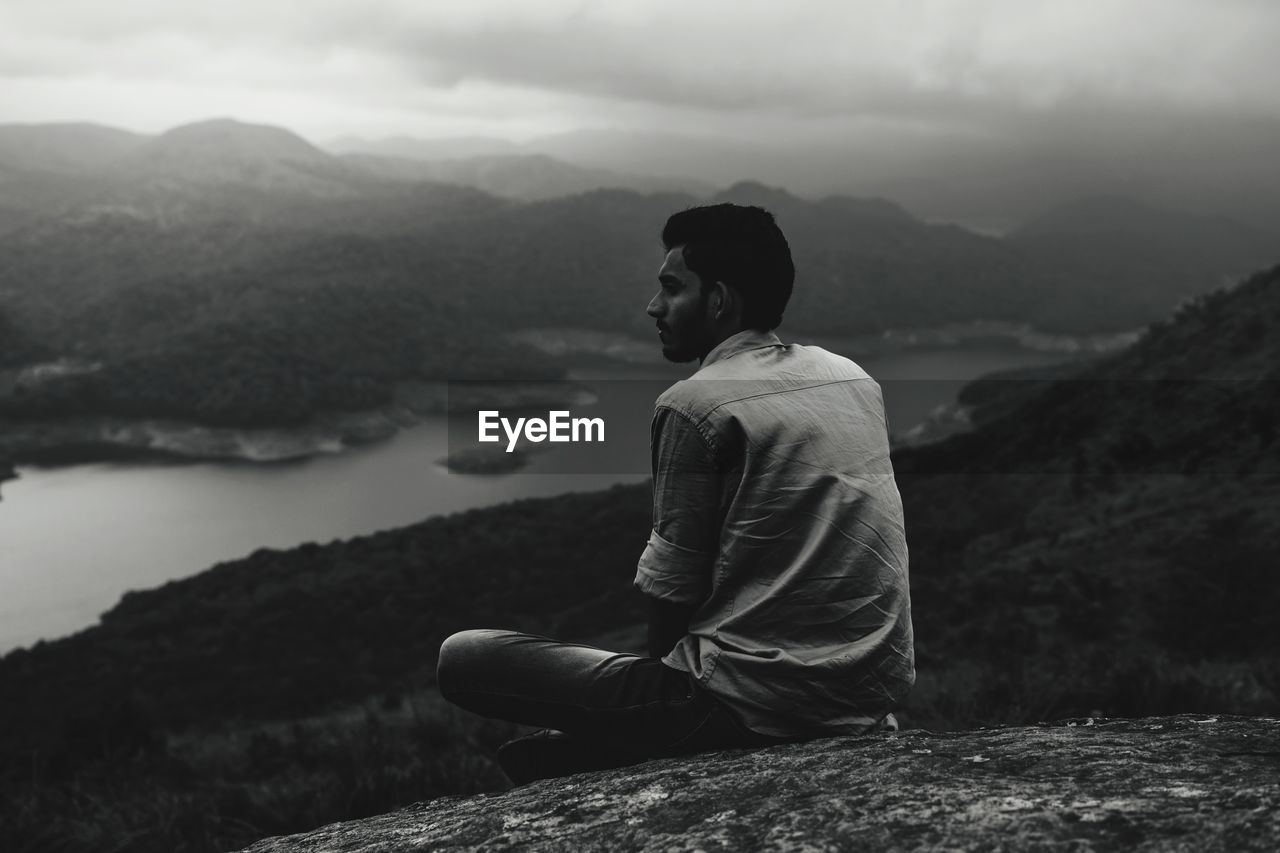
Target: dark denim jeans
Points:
x,y
623,707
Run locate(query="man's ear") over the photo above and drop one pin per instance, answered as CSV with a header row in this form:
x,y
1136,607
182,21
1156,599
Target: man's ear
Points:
x,y
721,301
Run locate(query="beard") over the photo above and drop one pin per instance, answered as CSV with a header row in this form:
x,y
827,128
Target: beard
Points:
x,y
690,344
678,354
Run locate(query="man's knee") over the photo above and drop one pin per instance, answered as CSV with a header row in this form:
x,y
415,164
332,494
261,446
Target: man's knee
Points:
x,y
463,653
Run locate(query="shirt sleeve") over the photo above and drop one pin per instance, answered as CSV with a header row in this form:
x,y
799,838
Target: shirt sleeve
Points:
x,y
677,561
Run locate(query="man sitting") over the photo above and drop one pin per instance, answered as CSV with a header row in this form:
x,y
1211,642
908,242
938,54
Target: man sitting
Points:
x,y
776,569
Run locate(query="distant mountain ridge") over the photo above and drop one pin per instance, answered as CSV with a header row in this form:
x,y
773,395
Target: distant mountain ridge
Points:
x,y
221,171
224,151
53,169
571,155
411,148
62,148
526,177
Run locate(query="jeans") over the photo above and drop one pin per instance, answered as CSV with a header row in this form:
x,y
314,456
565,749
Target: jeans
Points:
x,y
626,707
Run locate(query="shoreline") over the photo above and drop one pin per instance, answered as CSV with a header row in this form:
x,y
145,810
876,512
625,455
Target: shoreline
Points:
x,y
629,349
52,443
91,439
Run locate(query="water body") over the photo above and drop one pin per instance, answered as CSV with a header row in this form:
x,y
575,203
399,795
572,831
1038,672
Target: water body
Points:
x,y
73,539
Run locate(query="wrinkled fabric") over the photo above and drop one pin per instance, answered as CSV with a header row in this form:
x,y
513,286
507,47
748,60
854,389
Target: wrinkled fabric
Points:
x,y
776,512
627,706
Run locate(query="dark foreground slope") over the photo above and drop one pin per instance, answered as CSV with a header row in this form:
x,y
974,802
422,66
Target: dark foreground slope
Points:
x,y
1110,541
1172,783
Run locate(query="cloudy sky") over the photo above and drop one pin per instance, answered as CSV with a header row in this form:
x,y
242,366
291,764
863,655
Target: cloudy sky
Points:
x,y
982,79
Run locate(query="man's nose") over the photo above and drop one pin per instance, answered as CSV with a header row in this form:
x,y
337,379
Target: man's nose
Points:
x,y
656,308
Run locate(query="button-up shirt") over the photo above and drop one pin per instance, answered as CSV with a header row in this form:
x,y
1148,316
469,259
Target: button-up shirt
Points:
x,y
775,511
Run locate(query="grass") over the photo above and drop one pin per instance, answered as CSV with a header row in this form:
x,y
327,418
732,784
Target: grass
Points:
x,y
217,790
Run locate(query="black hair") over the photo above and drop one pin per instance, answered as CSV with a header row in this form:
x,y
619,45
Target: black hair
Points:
x,y
741,246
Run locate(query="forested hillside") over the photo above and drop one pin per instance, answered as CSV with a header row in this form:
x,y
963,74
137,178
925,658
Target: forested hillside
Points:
x,y
1104,544
242,351
1112,536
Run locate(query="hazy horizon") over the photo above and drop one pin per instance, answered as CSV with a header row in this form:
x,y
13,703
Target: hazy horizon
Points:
x,y
980,110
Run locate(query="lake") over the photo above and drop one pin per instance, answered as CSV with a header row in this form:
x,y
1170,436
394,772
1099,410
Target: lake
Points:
x,y
73,539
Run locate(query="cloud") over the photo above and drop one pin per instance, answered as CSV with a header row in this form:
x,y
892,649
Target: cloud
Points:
x,y
885,71
873,57
811,58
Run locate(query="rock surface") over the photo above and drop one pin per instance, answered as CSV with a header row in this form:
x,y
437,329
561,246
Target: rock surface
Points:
x,y
1185,783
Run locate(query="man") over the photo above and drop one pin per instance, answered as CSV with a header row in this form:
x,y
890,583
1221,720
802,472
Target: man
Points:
x,y
776,569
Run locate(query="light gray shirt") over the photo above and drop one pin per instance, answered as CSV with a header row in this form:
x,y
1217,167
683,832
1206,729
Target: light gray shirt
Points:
x,y
776,512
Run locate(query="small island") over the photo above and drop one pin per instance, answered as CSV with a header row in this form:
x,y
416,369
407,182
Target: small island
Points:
x,y
484,460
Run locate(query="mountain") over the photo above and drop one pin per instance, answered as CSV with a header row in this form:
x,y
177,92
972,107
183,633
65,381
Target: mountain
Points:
x,y
46,168
1198,391
224,151
695,164
220,172
198,171
864,267
409,148
527,177
64,149
1158,255
674,155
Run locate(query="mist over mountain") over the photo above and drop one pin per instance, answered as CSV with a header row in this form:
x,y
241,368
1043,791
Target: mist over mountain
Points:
x,y
224,151
1151,253
964,178
973,179
62,148
411,148
527,177
228,175
581,161
970,177
45,169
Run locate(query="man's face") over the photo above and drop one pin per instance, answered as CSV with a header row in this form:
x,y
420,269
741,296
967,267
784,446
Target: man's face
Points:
x,y
680,310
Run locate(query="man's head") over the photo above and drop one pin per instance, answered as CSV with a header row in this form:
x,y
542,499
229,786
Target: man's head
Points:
x,y
728,268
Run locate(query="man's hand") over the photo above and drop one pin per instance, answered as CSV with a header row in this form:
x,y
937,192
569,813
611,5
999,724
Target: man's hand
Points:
x,y
668,623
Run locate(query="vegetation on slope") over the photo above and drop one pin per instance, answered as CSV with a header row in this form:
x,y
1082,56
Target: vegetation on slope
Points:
x,y
1113,536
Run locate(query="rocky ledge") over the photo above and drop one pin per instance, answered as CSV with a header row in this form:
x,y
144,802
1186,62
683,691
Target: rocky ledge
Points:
x,y
1185,783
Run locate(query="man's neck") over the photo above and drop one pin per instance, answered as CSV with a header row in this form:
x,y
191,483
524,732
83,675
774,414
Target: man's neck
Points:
x,y
740,341
720,338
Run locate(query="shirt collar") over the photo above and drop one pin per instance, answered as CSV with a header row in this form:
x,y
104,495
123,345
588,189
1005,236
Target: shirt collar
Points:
x,y
740,342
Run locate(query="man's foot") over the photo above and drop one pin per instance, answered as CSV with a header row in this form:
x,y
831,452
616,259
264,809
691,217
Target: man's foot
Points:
x,y
548,754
